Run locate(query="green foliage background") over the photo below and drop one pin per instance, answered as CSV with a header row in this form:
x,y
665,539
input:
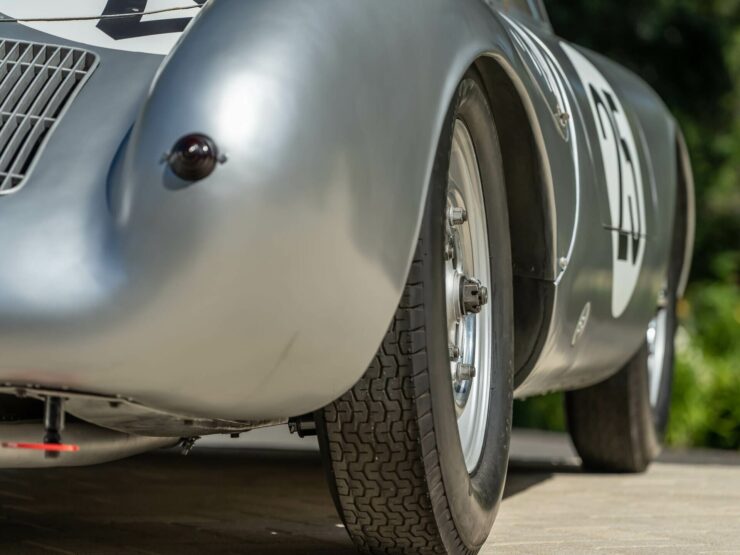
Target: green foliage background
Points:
x,y
689,51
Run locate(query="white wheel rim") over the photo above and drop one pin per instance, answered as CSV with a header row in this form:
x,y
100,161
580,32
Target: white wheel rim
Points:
x,y
469,335
657,334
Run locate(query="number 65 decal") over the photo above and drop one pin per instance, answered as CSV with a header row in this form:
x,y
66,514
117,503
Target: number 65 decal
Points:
x,y
122,28
622,176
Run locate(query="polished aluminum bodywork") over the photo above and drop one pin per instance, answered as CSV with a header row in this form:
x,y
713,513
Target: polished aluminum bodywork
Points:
x,y
263,291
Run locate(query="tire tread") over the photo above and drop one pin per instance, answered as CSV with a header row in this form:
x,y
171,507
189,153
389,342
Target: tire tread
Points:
x,y
384,462
611,423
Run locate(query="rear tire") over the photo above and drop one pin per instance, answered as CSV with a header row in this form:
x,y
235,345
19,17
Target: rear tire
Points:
x,y
611,423
391,445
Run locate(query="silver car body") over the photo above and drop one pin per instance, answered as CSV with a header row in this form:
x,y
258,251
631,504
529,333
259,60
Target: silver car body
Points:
x,y
262,291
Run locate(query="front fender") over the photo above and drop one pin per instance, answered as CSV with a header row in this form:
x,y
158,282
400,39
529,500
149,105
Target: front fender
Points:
x,y
263,290
287,263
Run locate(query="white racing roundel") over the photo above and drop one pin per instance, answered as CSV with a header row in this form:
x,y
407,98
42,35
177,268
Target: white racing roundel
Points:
x,y
623,179
153,33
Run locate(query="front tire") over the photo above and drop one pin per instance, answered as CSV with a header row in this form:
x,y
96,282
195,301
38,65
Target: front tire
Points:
x,y
406,475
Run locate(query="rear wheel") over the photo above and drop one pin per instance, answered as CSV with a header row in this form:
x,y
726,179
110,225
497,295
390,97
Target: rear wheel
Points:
x,y
416,451
613,424
617,425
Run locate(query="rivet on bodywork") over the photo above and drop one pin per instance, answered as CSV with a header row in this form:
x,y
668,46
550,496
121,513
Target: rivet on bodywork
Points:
x,y
562,116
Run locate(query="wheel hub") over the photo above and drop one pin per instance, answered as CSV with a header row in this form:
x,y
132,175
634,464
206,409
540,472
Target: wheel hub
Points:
x,y
467,275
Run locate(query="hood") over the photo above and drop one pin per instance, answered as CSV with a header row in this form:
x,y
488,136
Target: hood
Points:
x,y
153,26
53,51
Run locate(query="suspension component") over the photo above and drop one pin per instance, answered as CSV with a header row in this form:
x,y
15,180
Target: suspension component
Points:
x,y
186,444
304,425
53,424
51,445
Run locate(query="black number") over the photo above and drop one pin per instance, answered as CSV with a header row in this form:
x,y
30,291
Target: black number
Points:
x,y
610,110
132,26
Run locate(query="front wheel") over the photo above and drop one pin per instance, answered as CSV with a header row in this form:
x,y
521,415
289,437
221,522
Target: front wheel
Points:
x,y
416,452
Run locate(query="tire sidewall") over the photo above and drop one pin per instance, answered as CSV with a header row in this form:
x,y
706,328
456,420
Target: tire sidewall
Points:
x,y
473,498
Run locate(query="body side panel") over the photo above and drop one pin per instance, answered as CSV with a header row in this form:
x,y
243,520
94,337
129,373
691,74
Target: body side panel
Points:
x,y
571,358
264,290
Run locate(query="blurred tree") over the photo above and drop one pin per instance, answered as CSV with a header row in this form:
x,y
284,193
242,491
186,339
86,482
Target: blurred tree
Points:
x,y
689,52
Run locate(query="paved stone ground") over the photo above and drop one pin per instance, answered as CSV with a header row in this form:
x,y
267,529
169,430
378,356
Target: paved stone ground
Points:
x,y
686,503
225,501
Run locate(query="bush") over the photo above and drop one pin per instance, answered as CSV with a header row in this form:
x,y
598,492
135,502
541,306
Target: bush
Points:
x,y
705,409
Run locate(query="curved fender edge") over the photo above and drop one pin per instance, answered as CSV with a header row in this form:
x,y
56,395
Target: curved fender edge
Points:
x,y
686,179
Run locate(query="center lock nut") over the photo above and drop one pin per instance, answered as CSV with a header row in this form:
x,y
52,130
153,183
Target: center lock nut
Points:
x,y
473,295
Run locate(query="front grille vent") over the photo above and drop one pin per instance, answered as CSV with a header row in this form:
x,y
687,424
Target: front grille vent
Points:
x,y
37,82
